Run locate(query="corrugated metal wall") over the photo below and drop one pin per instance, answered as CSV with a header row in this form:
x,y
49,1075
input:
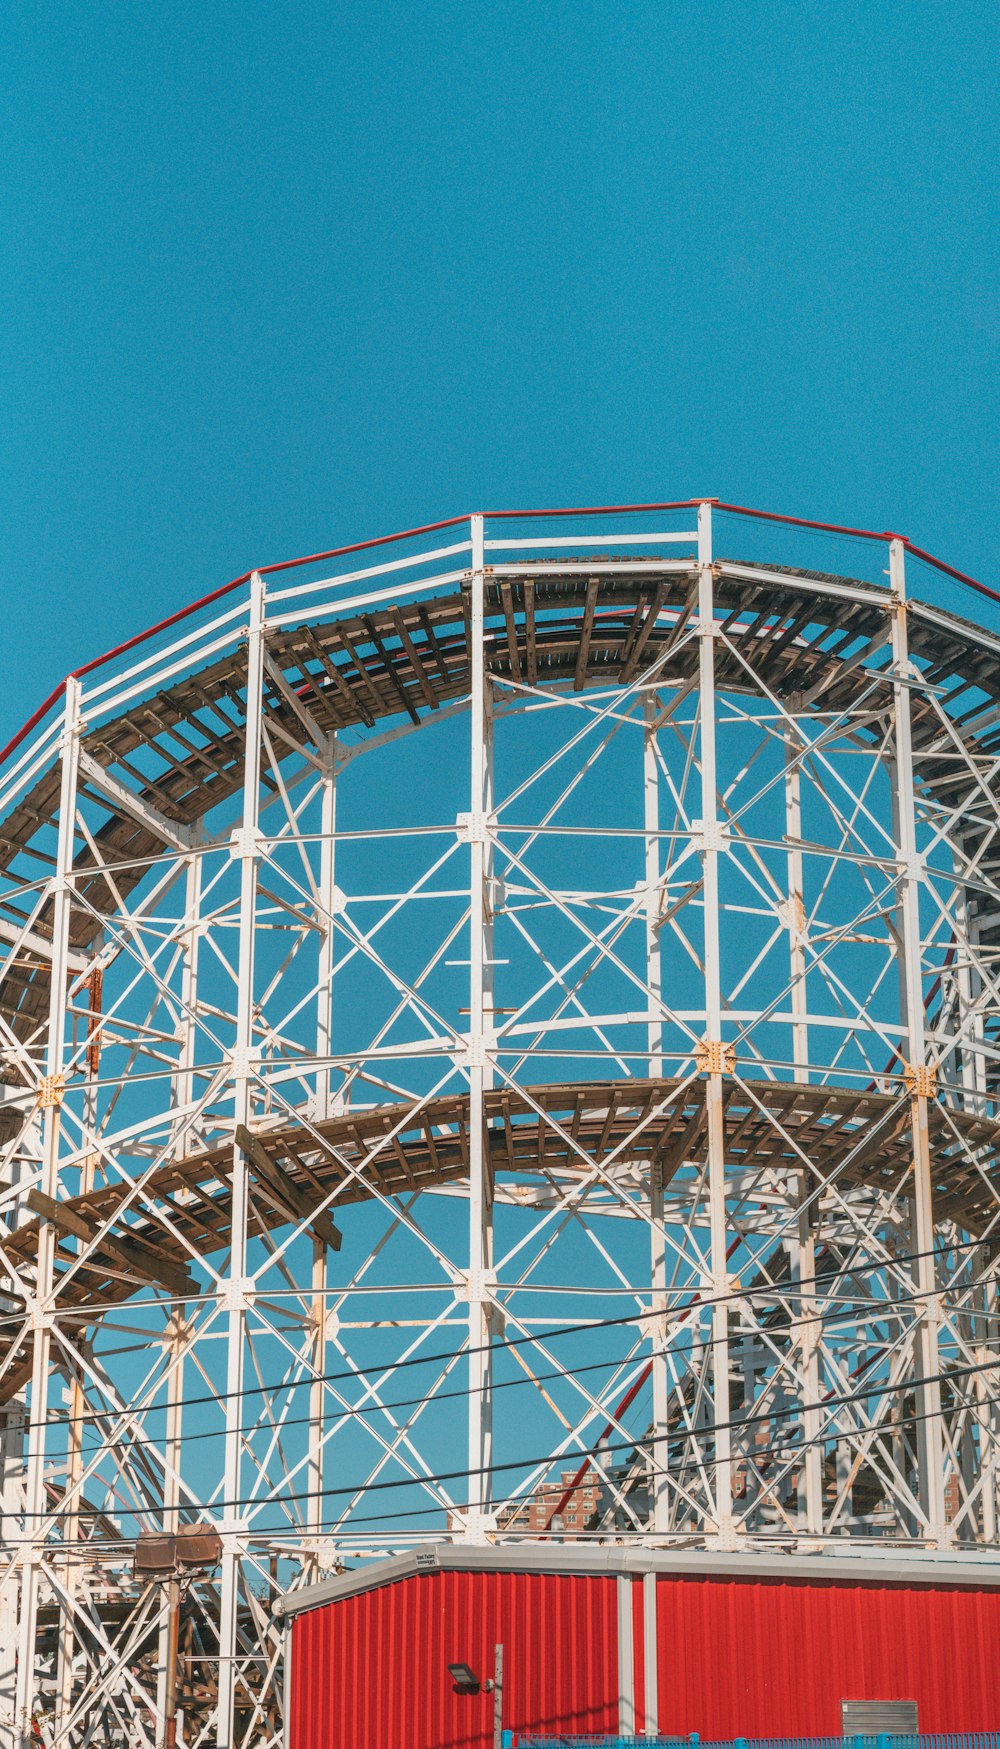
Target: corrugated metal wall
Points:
x,y
371,1672
763,1657
734,1657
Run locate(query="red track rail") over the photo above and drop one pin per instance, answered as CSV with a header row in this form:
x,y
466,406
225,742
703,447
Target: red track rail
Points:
x,y
454,522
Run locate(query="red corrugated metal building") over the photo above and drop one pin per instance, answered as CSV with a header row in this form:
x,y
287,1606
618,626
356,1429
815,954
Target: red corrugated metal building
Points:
x,y
621,1640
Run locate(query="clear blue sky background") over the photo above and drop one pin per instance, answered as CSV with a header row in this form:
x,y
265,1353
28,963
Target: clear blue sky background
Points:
x,y
283,276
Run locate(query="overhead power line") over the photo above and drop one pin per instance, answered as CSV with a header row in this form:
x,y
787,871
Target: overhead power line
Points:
x,y
608,1451
779,1290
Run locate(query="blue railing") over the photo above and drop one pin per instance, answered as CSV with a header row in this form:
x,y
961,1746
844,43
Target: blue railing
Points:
x,y
879,1740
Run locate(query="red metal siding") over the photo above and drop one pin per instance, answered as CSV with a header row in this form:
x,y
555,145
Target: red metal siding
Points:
x,y
371,1671
735,1657
761,1657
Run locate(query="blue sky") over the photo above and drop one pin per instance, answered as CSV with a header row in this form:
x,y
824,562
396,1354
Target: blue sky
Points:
x,y
279,277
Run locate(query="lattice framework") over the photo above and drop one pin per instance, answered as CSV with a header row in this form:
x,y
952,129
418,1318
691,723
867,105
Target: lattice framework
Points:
x,y
637,1073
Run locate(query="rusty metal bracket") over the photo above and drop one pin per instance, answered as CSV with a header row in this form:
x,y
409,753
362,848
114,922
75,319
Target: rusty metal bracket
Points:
x,y
921,1080
715,1058
50,1092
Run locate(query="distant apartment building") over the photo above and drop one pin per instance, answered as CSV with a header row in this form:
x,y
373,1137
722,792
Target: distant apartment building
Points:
x,y
577,1513
533,1514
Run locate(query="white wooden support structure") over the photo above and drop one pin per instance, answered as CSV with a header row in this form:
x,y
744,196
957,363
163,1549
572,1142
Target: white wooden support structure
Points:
x,y
594,928
660,1497
243,1083
50,1099
810,1493
717,1277
480,1041
920,1077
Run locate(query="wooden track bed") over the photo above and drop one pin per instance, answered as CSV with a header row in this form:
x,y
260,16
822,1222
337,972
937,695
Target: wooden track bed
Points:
x,y
857,1141
594,625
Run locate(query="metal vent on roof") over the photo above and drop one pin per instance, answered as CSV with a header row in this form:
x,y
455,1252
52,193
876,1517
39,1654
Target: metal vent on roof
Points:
x,y
864,1718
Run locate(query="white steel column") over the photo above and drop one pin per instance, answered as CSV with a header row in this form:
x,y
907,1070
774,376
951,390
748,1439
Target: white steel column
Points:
x,y
324,918
796,907
11,1512
480,1042
714,1056
804,1247
76,1403
920,1081
238,1286
189,980
42,1310
659,1492
324,1106
986,1321
177,1335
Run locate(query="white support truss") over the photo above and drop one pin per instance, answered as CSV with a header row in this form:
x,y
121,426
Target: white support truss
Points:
x,y
499,1041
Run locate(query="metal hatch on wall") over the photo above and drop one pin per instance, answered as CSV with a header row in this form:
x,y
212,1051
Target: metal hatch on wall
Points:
x,y
864,1718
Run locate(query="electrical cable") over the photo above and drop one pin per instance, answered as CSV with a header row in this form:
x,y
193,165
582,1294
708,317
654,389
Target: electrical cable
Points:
x,y
522,1381
642,1441
699,1302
